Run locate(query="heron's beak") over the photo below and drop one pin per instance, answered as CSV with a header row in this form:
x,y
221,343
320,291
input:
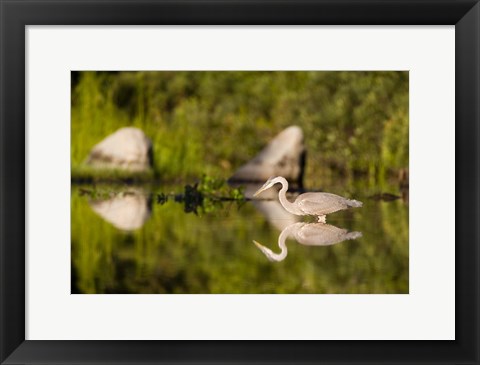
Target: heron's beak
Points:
x,y
259,245
266,251
259,191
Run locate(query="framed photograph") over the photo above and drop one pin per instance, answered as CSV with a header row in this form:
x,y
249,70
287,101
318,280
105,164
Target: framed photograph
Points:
x,y
239,182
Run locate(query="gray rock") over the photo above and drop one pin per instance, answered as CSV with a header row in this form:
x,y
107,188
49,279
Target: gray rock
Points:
x,y
126,149
126,211
283,156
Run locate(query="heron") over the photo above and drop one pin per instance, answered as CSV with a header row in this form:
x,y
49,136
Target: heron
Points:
x,y
310,234
316,204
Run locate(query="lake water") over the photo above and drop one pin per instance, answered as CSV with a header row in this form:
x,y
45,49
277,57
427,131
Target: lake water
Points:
x,y
146,239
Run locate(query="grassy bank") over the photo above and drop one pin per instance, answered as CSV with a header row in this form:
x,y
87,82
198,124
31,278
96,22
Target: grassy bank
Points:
x,y
355,123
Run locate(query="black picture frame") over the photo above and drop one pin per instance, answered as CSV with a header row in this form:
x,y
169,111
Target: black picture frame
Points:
x,y
16,14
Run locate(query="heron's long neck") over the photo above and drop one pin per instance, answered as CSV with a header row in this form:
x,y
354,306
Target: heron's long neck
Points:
x,y
281,243
282,196
287,231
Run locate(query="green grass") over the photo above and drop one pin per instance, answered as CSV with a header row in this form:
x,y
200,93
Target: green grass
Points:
x,y
82,174
355,123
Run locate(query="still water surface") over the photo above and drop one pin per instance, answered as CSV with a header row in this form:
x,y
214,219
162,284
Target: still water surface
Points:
x,y
132,239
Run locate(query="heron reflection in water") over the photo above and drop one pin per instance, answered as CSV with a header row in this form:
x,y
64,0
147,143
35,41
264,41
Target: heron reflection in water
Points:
x,y
316,204
310,234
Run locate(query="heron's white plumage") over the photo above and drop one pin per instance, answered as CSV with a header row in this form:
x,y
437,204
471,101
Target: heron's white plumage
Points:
x,y
317,204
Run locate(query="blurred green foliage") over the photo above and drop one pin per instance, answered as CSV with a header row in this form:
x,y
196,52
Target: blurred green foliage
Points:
x,y
213,122
213,252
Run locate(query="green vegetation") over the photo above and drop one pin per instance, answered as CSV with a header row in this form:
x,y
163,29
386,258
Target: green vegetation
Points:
x,y
213,122
205,196
209,194
83,174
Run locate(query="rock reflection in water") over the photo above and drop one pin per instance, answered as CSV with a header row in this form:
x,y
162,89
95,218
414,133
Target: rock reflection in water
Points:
x,y
270,207
310,234
127,211
275,214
